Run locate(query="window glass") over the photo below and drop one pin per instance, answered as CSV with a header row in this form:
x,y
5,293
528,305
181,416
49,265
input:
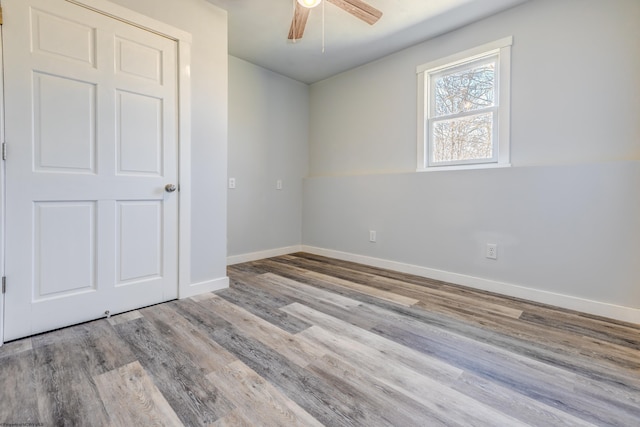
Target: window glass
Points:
x,y
465,138
465,90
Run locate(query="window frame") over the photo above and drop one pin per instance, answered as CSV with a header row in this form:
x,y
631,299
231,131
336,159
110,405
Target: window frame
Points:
x,y
501,129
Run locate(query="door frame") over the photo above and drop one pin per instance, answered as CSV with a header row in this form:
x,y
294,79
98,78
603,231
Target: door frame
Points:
x,y
2,188
183,41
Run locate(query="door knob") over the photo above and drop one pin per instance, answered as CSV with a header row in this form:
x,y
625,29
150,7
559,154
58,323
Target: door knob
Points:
x,y
170,188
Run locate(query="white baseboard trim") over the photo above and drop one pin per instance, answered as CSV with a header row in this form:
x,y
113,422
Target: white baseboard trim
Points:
x,y
612,311
254,256
205,286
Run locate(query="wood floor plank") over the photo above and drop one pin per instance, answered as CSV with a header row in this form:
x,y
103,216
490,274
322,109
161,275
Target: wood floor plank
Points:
x,y
307,391
565,358
124,317
16,347
309,291
18,394
305,295
575,324
100,347
247,269
65,389
523,408
436,305
479,296
594,349
195,400
536,339
544,383
398,408
66,361
435,395
296,349
401,287
448,304
328,403
295,275
132,399
565,318
260,402
262,303
206,355
617,399
202,297
367,342
544,338
235,418
368,290
495,363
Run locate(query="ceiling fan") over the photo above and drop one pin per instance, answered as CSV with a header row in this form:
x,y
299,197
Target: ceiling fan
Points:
x,y
357,8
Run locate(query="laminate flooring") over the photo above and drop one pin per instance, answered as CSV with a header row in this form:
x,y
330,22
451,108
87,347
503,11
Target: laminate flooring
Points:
x,y
306,340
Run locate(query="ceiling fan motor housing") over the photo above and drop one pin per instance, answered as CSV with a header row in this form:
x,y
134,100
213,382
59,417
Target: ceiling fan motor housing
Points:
x,y
309,3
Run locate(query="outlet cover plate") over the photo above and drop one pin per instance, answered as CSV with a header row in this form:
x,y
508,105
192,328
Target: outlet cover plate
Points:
x,y
492,251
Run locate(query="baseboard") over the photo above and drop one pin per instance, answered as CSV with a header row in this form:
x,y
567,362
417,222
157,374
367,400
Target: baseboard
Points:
x,y
625,314
205,286
254,256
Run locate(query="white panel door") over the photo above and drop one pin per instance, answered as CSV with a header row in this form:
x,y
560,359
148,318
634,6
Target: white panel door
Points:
x,y
91,130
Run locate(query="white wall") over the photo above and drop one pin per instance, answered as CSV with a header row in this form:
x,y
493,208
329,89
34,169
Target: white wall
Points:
x,y
268,132
208,26
565,216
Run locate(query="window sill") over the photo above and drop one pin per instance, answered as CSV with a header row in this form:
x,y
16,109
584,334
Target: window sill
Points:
x,y
465,167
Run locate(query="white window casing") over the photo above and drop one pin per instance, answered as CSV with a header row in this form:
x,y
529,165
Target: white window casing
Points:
x,y
499,52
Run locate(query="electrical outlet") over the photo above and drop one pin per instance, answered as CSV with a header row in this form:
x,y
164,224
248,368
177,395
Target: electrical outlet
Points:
x,y
492,251
232,183
279,184
372,235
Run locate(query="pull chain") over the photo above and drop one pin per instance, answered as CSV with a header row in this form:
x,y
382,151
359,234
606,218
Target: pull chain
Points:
x,y
323,1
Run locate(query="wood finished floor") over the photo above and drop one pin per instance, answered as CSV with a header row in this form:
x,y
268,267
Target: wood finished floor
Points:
x,y
306,340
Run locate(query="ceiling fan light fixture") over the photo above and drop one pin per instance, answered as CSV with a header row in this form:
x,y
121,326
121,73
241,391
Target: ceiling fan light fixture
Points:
x,y
309,4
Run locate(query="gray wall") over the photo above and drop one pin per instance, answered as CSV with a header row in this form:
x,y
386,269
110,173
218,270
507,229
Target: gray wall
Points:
x,y
565,216
268,132
208,26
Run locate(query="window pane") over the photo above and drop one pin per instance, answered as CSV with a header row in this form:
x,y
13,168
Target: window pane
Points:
x,y
466,138
466,90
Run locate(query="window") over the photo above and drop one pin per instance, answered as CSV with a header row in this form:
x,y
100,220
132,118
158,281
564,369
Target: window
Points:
x,y
463,110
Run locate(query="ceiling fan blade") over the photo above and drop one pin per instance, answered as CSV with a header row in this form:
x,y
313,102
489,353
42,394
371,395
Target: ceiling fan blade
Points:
x,y
298,22
359,9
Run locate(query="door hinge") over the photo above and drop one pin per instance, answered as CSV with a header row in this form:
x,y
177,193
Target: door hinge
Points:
x,y
0,15
4,151
4,284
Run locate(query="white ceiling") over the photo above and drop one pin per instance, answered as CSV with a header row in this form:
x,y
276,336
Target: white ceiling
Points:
x,y
258,32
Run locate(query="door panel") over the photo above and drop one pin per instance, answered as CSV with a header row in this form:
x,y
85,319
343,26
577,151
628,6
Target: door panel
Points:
x,y
91,125
139,241
138,60
62,37
64,124
64,266
139,134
